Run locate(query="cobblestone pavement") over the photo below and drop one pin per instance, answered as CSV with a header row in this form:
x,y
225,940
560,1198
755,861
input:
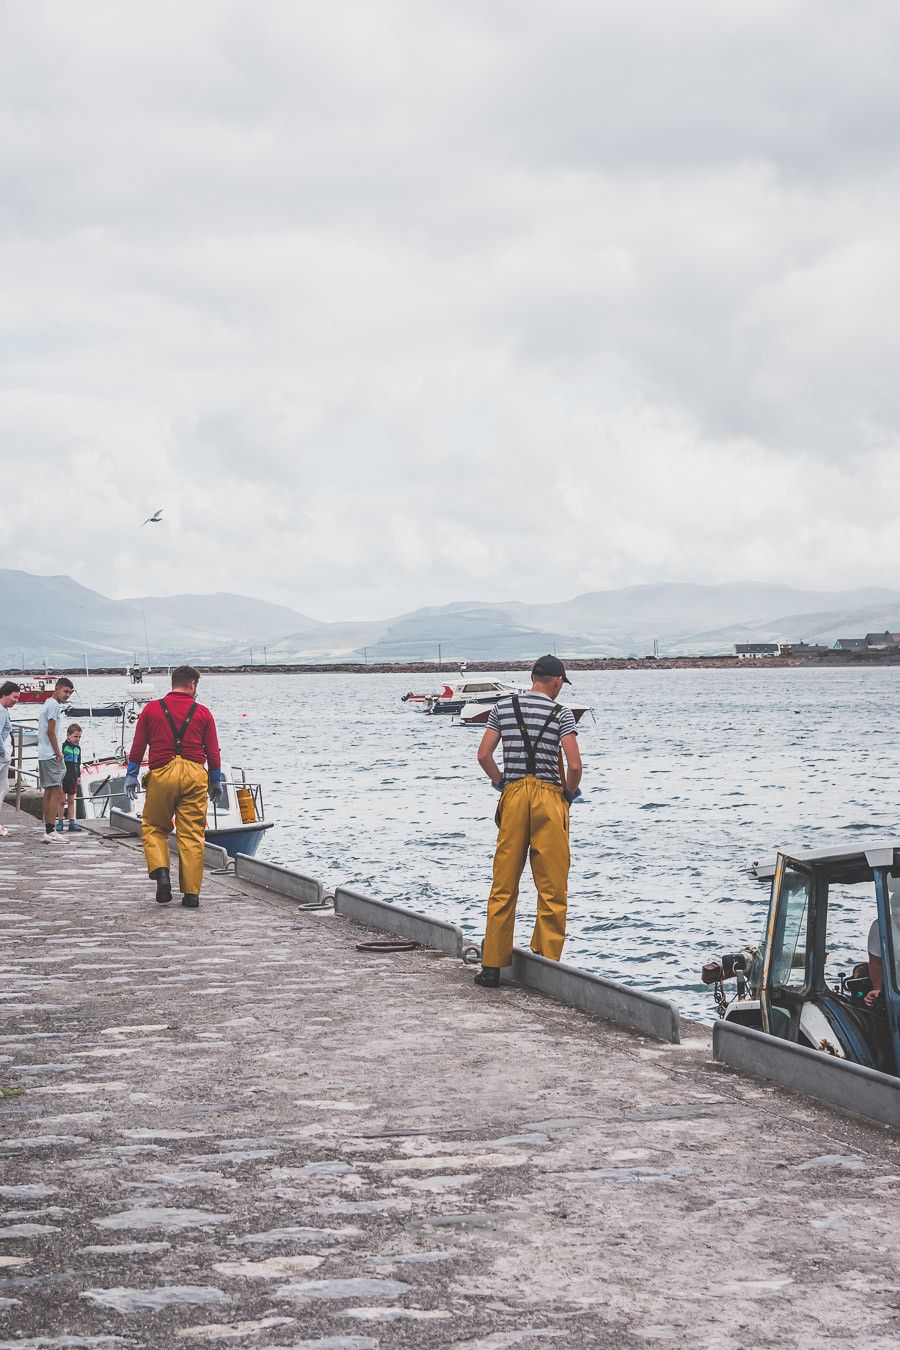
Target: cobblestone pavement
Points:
x,y
230,1127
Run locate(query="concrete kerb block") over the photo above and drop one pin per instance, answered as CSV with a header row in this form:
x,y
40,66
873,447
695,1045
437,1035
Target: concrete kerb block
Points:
x,y
123,822
214,857
649,1014
850,1087
403,923
273,877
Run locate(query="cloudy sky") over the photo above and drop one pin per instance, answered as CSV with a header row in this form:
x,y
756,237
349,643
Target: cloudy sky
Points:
x,y
396,302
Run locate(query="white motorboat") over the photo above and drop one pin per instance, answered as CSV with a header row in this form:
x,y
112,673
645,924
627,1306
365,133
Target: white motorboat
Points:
x,y
481,689
476,714
237,823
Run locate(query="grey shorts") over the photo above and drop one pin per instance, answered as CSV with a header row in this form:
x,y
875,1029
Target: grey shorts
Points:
x,y
50,773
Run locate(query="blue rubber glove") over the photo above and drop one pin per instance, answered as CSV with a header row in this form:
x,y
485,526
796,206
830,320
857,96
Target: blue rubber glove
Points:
x,y
132,787
498,786
571,796
216,786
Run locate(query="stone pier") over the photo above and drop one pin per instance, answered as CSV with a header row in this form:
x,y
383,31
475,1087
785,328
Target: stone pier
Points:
x,y
230,1127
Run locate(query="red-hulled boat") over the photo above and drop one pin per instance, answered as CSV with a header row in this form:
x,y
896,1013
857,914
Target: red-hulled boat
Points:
x,y
35,688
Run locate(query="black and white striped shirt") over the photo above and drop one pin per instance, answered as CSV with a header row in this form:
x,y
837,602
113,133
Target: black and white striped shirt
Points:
x,y
535,711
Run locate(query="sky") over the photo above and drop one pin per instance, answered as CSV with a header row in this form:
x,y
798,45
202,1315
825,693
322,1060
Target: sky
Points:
x,y
398,302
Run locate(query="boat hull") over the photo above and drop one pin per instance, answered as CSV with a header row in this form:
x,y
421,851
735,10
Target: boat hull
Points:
x,y
477,714
237,839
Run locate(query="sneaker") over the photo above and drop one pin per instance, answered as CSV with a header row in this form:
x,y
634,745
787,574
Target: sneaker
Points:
x,y
51,838
76,829
59,827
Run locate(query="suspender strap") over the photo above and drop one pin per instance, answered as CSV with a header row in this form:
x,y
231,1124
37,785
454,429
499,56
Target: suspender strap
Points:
x,y
530,747
176,732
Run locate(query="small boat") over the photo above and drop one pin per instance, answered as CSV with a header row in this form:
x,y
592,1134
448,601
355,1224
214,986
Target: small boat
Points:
x,y
36,688
236,824
476,714
468,689
100,710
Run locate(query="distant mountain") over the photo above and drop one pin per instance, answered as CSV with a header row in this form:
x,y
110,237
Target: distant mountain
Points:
x,y
55,618
600,623
823,628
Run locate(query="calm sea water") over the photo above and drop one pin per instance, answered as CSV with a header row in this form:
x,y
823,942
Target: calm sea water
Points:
x,y
689,777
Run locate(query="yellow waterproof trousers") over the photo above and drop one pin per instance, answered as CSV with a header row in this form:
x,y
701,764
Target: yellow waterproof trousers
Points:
x,y
178,789
532,815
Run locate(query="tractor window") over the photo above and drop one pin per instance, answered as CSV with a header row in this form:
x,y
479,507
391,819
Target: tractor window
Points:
x,y
894,888
789,953
851,909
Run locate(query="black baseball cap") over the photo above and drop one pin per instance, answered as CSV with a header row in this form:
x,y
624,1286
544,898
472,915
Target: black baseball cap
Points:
x,y
549,666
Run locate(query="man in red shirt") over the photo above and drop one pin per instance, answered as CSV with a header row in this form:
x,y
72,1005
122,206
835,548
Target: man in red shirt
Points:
x,y
181,736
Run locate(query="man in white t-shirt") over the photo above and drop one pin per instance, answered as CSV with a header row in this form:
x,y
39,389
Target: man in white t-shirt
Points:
x,y
51,765
873,946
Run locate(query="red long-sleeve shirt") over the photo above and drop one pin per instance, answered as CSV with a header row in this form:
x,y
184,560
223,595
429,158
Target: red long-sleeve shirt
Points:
x,y
200,740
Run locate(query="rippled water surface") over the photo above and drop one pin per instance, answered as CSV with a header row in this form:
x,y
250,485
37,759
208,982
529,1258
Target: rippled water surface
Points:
x,y
689,776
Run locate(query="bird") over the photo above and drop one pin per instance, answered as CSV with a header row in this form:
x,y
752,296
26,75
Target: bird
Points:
x,y
154,519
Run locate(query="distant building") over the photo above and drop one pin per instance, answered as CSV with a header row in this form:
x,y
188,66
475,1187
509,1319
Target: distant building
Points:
x,y
755,651
851,645
802,648
880,641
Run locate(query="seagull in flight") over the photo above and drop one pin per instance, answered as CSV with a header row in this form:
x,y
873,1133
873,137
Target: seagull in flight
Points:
x,y
154,519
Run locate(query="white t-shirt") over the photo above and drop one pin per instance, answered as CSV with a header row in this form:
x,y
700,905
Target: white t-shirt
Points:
x,y
51,711
874,943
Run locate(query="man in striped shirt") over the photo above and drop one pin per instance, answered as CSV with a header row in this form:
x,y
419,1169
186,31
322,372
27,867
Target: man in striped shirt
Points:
x,y
533,814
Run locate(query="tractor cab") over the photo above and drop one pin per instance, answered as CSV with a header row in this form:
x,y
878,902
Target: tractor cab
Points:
x,y
810,979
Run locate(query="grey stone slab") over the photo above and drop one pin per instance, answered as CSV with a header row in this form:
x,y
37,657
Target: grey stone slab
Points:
x,y
620,1003
403,923
282,880
851,1087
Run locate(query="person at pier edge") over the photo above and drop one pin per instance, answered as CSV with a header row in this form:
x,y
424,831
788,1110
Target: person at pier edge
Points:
x,y
51,765
9,696
532,815
181,736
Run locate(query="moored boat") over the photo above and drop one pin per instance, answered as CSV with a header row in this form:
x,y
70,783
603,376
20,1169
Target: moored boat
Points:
x,y
453,697
237,823
476,714
35,688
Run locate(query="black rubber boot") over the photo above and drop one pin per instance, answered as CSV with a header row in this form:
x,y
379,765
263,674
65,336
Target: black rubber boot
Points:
x,y
488,977
163,885
191,901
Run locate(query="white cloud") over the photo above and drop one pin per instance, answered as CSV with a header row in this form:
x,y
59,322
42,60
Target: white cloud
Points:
x,y
397,303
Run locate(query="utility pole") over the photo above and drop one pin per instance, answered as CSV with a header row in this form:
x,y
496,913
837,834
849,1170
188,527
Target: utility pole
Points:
x,y
265,656
366,655
439,653
251,656
146,638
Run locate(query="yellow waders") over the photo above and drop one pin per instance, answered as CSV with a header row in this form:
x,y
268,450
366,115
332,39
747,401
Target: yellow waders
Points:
x,y
532,815
177,789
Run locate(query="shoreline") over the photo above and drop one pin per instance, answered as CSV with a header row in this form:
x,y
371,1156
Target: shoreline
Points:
x,y
451,668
